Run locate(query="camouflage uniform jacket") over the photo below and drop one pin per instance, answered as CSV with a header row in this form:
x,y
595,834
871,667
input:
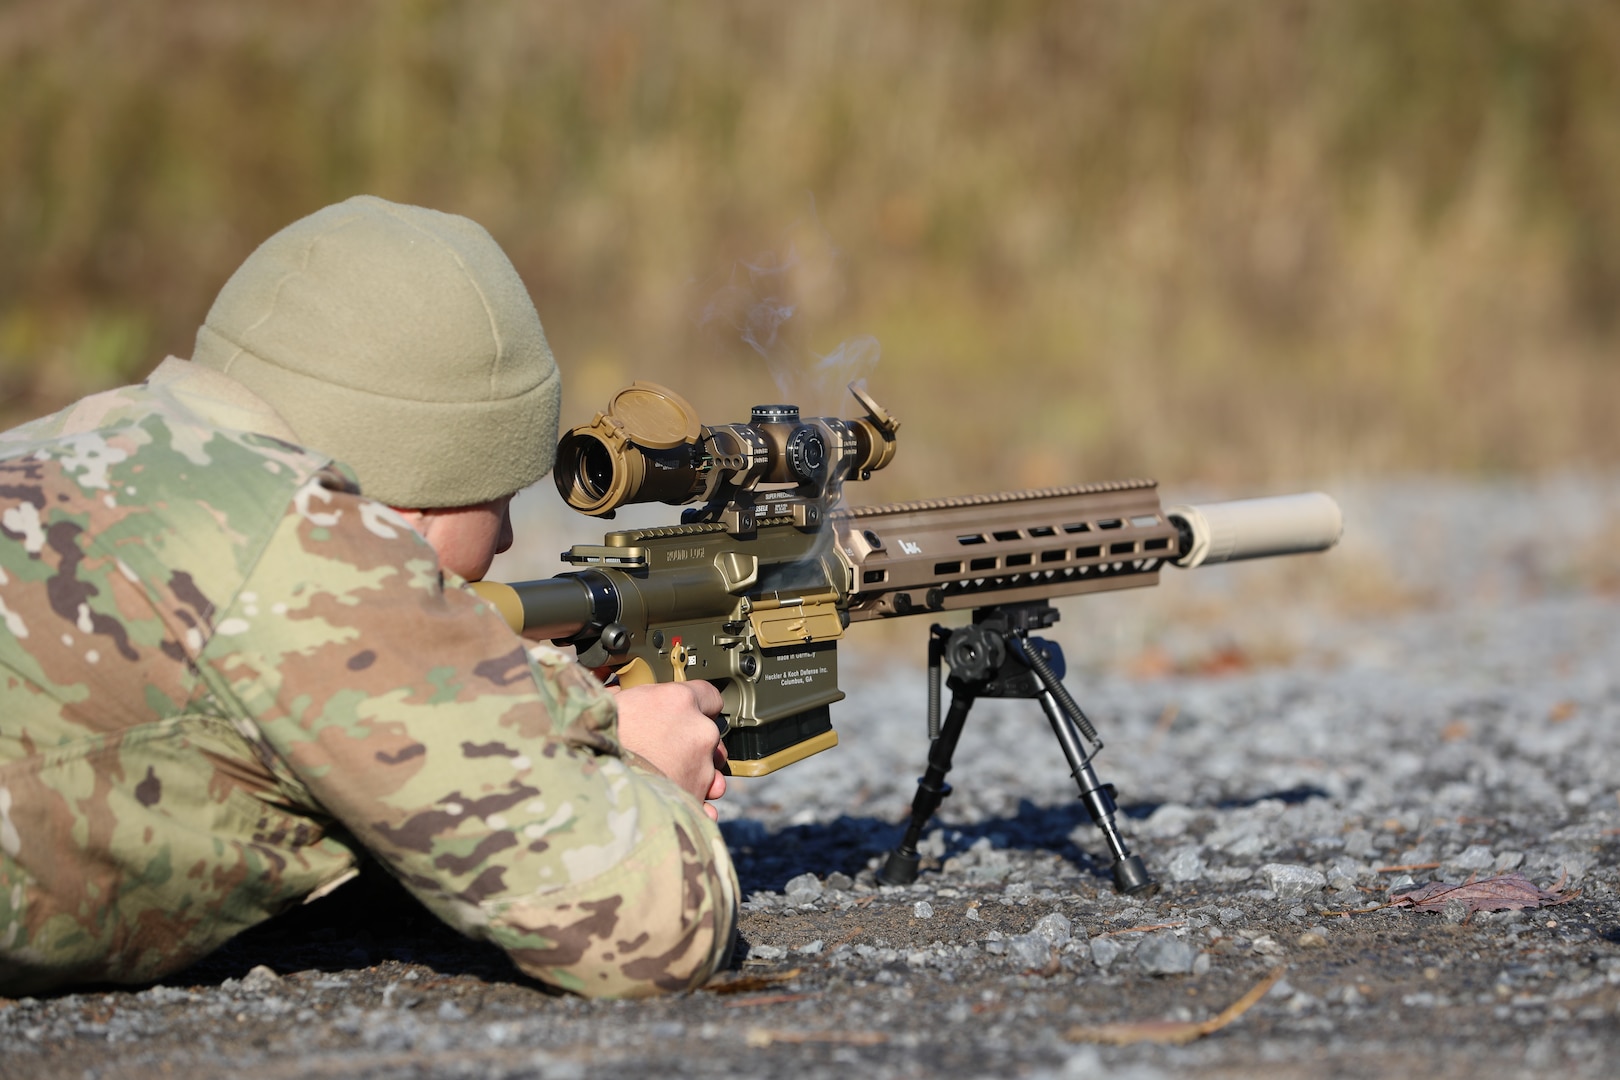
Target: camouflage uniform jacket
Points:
x,y
224,674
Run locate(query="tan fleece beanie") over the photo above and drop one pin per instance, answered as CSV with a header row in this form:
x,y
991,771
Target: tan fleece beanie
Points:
x,y
401,342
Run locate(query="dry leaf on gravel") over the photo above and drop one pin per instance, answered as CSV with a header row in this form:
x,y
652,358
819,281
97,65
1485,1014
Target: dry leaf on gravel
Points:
x,y
1141,929
1176,1032
758,1038
766,999
742,984
1507,892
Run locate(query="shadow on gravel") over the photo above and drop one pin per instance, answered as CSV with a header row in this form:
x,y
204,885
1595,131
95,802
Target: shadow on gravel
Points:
x,y
369,921
767,860
1292,796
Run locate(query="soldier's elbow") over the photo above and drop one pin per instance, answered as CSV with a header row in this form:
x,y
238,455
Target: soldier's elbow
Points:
x,y
662,922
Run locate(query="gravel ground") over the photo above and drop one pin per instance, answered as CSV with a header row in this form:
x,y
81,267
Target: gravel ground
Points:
x,y
1291,740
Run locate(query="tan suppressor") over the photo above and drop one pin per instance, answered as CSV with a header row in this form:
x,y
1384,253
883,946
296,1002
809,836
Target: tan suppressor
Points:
x,y
1256,528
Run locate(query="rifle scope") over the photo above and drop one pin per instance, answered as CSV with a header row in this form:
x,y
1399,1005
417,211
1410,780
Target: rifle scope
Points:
x,y
649,446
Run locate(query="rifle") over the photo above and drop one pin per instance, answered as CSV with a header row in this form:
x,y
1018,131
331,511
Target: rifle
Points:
x,y
767,569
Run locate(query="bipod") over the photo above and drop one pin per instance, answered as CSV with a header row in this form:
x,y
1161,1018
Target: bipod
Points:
x,y
996,657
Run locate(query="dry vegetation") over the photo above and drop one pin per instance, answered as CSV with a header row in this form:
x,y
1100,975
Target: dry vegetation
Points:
x,y
1233,242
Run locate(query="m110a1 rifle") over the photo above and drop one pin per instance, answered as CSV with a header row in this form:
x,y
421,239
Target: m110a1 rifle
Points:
x,y
767,569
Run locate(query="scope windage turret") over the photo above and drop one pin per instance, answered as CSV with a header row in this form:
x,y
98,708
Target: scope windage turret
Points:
x,y
649,446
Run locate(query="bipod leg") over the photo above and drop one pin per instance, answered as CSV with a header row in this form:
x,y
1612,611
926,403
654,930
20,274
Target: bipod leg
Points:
x,y
1130,873
901,866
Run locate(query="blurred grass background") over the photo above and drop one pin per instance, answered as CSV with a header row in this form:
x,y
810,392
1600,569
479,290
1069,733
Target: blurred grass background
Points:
x,y
1215,242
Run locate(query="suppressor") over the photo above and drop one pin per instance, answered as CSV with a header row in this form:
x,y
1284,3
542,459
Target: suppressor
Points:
x,y
1256,528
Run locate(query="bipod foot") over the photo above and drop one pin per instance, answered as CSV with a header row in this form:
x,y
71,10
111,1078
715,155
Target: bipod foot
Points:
x,y
900,868
1132,878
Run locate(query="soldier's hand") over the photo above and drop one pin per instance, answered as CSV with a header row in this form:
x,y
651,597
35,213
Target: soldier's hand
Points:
x,y
672,725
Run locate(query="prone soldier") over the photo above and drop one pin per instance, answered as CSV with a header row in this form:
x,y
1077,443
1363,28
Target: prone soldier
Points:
x,y
240,653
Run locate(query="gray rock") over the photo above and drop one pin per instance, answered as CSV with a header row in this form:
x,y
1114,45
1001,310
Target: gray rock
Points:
x,y
1162,953
1289,880
922,909
1105,950
1266,945
1168,822
766,952
1247,844
1474,857
260,979
804,889
1185,865
1500,918
1348,867
1029,952
1055,928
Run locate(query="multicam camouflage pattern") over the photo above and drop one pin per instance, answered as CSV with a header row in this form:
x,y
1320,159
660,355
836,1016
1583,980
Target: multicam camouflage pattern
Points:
x,y
226,676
